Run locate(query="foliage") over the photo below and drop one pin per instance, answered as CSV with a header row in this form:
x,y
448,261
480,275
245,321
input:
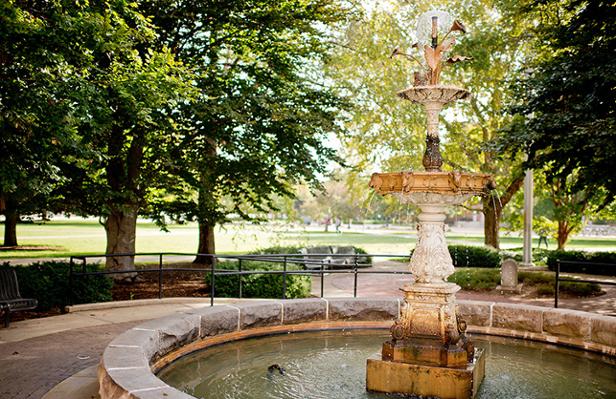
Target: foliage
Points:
x,y
264,111
544,284
476,279
278,249
34,122
259,285
564,107
539,255
107,112
48,282
473,256
608,268
388,133
472,279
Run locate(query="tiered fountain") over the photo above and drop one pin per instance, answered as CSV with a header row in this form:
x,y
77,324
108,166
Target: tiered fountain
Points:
x,y
429,354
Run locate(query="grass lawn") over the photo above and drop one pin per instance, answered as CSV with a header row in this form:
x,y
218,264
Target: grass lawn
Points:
x,y
78,236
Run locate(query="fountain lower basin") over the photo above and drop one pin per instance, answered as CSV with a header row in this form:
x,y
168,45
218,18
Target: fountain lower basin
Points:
x,y
315,364
129,363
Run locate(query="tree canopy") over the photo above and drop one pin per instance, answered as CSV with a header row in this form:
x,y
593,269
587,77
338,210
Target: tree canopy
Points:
x,y
264,112
565,107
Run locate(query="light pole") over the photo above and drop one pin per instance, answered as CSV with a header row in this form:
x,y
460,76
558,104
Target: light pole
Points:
x,y
527,259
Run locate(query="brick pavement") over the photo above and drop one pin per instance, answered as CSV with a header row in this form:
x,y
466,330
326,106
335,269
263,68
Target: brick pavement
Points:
x,y
30,368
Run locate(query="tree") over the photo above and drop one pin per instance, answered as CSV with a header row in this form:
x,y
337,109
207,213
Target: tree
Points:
x,y
564,108
264,110
127,91
34,121
561,207
389,132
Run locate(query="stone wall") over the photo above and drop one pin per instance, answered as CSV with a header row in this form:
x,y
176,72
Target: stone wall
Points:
x,y
130,361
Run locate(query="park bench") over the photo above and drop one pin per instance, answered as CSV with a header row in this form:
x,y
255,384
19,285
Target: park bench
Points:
x,y
10,298
315,256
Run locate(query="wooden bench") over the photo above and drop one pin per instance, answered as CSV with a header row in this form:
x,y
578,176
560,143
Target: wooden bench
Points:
x,y
10,298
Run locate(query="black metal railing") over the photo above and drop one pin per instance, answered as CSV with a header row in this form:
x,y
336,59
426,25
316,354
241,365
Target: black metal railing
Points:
x,y
313,265
558,278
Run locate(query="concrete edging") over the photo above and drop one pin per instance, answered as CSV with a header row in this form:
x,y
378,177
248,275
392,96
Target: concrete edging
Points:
x,y
130,360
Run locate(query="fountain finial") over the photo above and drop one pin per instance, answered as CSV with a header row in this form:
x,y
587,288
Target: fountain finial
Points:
x,y
431,26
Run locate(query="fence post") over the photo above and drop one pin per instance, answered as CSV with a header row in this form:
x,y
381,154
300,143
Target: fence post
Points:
x,y
239,268
355,278
322,276
284,278
556,283
212,281
70,281
160,276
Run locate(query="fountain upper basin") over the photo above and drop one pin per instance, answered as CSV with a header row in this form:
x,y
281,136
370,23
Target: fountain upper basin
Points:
x,y
434,93
447,183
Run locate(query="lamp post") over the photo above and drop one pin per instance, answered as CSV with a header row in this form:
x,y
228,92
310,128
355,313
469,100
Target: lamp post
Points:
x,y
527,259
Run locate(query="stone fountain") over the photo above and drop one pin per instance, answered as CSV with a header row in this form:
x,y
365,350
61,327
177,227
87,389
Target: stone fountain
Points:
x,y
428,353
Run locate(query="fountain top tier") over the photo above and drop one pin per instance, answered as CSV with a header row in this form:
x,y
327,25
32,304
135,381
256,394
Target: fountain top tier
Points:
x,y
436,32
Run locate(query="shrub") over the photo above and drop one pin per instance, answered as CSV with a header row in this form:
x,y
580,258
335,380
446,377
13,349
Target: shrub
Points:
x,y
545,285
535,278
472,279
471,256
607,258
259,285
48,282
278,249
539,255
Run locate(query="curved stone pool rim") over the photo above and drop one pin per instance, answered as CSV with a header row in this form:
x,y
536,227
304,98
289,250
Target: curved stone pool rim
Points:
x,y
130,361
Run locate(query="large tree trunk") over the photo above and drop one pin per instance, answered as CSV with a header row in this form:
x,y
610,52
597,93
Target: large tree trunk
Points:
x,y
120,227
491,216
563,233
493,211
10,228
206,243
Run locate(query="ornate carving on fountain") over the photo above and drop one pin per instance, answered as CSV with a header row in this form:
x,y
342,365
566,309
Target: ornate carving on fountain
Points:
x,y
447,183
431,261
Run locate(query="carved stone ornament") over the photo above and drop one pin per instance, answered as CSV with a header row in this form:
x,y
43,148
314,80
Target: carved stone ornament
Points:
x,y
448,183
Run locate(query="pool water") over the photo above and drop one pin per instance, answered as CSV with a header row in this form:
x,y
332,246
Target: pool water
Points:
x,y
332,364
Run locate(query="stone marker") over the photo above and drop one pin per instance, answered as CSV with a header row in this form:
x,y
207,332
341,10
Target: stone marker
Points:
x,y
509,277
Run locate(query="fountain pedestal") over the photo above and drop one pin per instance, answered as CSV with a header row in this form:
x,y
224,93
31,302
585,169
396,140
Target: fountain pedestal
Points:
x,y
429,353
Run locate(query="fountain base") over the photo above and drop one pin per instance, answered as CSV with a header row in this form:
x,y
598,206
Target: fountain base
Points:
x,y
426,380
429,353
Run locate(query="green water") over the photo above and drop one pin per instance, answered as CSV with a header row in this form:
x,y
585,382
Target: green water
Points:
x,y
333,365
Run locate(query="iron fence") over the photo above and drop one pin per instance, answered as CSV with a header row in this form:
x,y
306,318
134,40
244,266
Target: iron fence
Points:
x,y
314,265
558,278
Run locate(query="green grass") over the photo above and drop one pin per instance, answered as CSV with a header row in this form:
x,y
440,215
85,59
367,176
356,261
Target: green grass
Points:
x,y
79,236
476,279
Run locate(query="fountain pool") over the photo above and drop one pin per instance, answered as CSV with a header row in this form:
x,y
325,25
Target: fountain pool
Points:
x,y
331,364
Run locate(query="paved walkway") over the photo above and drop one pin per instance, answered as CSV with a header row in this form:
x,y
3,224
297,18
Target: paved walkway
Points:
x,y
37,354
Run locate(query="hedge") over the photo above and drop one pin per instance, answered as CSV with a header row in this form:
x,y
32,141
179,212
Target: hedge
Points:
x,y
608,268
259,285
471,279
48,283
472,256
